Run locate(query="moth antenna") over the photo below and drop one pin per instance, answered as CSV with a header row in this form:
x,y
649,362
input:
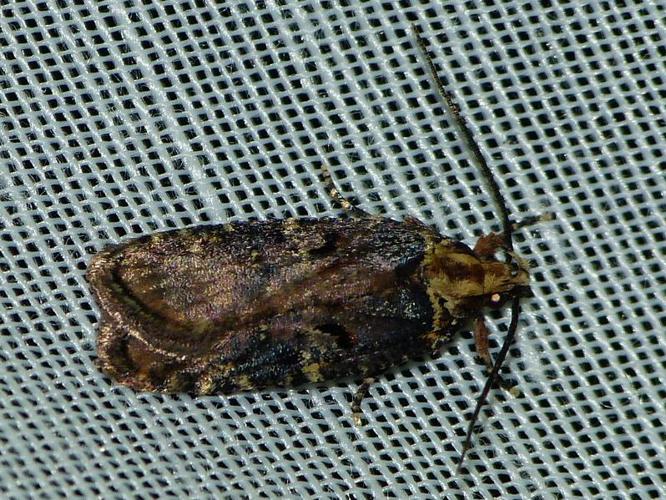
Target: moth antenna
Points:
x,y
466,135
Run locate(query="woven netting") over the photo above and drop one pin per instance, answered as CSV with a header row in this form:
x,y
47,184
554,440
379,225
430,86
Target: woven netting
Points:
x,y
124,118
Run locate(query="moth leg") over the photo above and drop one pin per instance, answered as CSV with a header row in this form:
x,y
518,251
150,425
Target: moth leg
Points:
x,y
488,244
532,220
361,393
483,351
436,346
335,194
481,342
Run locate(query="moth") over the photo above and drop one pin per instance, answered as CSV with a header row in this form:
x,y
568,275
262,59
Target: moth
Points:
x,y
280,303
253,305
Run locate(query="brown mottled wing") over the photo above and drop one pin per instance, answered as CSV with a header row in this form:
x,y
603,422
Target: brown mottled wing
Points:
x,y
218,309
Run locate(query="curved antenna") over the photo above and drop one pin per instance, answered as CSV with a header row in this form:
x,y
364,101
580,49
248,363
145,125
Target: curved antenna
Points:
x,y
480,162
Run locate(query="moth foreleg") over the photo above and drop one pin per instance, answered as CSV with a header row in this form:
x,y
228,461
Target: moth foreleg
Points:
x,y
483,349
481,342
488,245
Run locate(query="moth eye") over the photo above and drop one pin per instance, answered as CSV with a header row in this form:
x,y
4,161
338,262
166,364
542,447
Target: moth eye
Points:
x,y
515,269
495,298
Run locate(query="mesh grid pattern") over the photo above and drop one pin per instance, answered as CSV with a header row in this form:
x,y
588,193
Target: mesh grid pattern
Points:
x,y
121,119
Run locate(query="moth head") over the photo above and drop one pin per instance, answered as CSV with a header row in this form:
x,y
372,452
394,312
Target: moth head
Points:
x,y
503,281
463,282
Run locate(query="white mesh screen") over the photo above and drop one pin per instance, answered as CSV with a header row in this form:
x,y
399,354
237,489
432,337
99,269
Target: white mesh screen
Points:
x,y
119,119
